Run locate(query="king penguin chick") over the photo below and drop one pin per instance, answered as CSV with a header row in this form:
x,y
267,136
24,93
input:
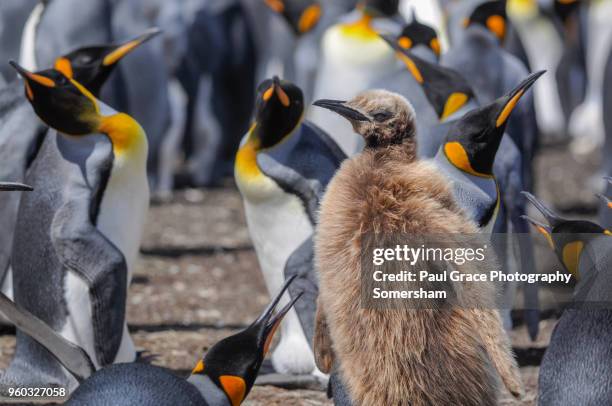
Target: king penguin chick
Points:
x,y
81,227
282,168
436,355
353,56
224,377
91,66
582,375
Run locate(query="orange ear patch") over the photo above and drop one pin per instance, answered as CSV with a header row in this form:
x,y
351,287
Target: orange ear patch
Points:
x,y
458,156
309,18
234,387
282,96
571,256
454,102
63,65
276,5
268,93
404,42
497,25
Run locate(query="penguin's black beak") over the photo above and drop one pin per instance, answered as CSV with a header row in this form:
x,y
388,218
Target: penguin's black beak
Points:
x,y
550,216
507,103
122,50
267,323
340,107
14,186
605,200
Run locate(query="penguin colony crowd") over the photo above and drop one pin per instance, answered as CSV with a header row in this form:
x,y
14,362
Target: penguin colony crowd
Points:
x,y
372,120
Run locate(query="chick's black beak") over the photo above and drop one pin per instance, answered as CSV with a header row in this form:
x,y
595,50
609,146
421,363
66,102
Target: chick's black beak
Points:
x,y
123,49
341,108
14,186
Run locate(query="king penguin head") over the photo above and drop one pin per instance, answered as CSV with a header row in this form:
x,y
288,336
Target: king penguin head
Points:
x,y
491,15
446,90
301,15
472,142
233,363
417,34
92,65
62,103
381,117
278,111
567,238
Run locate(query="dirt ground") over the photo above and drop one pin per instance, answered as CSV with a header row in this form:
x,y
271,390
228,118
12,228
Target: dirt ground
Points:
x,y
198,279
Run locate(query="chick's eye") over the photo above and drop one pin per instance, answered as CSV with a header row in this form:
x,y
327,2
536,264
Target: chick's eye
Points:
x,y
381,116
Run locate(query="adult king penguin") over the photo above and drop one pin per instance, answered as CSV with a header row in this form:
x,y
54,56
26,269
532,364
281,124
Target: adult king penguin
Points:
x,y
90,66
584,374
81,228
282,168
480,57
224,377
352,56
487,185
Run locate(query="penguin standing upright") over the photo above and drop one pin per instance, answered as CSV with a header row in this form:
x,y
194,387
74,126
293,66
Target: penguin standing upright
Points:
x,y
490,70
582,375
425,351
352,56
90,66
282,169
81,228
224,377
101,22
487,185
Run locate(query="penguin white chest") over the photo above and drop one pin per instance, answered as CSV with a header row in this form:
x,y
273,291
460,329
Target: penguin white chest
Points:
x,y
278,225
124,206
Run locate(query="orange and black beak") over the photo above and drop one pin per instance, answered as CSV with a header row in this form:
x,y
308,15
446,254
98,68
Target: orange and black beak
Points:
x,y
14,186
122,50
234,362
342,108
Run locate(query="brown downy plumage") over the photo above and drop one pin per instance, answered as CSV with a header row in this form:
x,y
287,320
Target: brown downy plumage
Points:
x,y
400,356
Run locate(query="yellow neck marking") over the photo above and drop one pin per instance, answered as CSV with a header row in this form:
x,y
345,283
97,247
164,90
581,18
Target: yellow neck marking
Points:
x,y
246,159
362,29
454,102
457,156
571,256
416,73
125,133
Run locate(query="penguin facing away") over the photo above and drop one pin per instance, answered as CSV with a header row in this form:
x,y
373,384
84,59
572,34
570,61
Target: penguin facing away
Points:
x,y
82,227
437,355
566,377
421,39
282,169
90,66
224,377
301,15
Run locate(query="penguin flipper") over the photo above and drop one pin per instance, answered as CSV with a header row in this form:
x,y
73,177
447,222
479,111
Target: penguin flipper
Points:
x,y
303,165
301,264
82,248
71,356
